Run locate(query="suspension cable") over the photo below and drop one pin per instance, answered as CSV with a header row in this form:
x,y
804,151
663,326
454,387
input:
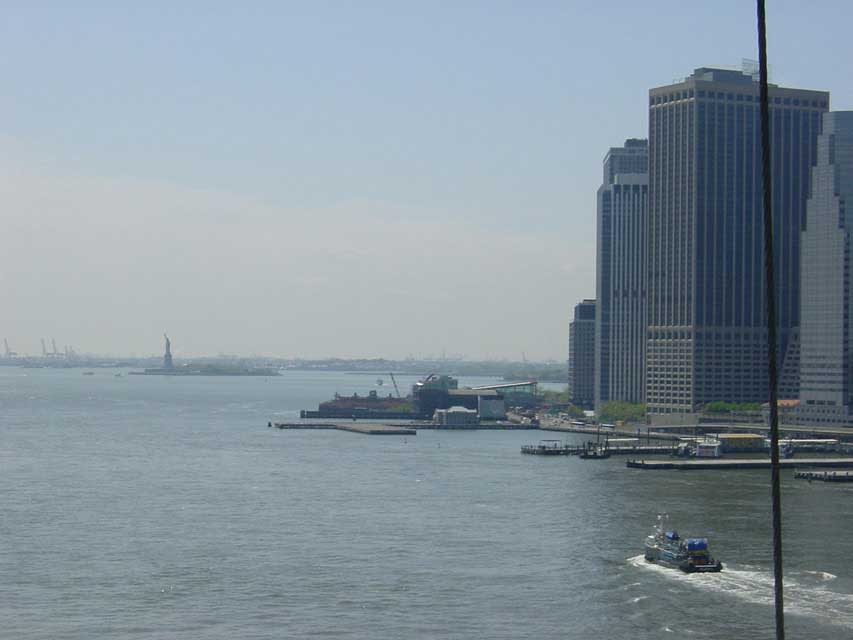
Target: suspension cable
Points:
x,y
770,293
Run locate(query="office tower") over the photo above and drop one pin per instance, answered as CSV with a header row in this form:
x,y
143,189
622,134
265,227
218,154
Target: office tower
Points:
x,y
705,303
582,354
620,275
826,388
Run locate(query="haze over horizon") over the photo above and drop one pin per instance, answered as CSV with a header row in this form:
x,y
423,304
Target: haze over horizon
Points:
x,y
321,180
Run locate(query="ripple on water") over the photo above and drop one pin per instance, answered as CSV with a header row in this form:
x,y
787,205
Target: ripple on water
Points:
x,y
805,593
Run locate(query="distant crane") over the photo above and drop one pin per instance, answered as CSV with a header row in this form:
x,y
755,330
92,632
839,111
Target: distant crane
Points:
x,y
43,348
9,352
396,388
55,352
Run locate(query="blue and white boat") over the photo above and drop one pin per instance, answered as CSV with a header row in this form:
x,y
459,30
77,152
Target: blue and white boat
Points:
x,y
665,547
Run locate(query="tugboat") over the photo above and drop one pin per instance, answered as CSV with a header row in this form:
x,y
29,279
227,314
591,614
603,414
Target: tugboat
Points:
x,y
667,548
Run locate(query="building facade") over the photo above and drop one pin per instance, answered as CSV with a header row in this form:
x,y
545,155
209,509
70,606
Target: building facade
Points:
x,y
620,270
706,336
582,355
826,387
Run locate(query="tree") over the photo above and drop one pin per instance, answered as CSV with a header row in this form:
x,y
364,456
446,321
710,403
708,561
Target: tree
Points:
x,y
719,406
624,411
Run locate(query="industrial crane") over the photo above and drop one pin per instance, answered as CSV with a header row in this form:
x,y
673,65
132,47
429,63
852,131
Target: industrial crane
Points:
x,y
396,388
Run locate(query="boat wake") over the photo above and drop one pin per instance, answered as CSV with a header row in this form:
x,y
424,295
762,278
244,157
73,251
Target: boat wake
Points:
x,y
806,592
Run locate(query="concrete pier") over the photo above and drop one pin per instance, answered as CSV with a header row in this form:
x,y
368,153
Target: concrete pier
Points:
x,y
738,463
368,428
378,429
825,476
607,431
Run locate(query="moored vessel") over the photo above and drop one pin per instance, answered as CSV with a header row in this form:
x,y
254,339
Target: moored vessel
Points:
x,y
664,546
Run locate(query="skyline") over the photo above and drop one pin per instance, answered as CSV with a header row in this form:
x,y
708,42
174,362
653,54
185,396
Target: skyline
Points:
x,y
336,182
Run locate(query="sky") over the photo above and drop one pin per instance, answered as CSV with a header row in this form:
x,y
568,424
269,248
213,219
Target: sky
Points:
x,y
318,179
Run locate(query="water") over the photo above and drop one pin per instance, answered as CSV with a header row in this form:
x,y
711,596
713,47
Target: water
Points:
x,y
147,507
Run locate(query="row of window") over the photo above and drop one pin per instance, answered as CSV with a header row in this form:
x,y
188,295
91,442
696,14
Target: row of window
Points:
x,y
734,97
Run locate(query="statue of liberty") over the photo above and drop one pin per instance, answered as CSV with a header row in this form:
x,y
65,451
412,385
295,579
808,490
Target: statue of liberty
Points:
x,y
167,358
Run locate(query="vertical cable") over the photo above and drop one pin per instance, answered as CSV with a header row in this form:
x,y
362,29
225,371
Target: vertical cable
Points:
x,y
770,293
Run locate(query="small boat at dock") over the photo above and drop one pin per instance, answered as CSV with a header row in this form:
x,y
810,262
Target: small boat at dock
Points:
x,y
595,451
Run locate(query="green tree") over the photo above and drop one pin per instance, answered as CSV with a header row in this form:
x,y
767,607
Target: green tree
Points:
x,y
625,411
561,398
719,406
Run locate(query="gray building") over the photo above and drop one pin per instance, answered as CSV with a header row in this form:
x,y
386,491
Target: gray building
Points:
x,y
582,354
620,275
826,355
706,310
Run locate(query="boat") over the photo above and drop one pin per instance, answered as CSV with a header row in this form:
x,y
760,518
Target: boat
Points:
x,y
595,451
665,547
594,454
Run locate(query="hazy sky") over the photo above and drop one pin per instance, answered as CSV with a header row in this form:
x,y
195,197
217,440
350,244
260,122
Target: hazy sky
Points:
x,y
354,179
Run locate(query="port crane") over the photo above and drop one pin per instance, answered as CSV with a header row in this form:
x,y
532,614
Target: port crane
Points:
x,y
396,388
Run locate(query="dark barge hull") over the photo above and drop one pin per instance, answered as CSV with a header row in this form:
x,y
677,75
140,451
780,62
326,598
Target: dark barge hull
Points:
x,y
656,556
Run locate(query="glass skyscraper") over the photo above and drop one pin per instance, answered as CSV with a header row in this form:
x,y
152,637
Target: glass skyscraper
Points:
x,y
706,337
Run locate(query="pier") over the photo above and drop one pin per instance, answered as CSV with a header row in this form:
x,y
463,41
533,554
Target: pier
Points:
x,y
572,450
549,448
624,432
738,463
825,476
367,428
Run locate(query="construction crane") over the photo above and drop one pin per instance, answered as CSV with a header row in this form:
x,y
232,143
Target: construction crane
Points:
x,y
396,388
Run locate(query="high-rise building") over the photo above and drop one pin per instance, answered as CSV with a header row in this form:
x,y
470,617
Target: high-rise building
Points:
x,y
826,353
582,354
705,297
620,275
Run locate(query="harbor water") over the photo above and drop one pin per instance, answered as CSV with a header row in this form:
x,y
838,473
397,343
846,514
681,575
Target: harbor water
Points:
x,y
155,507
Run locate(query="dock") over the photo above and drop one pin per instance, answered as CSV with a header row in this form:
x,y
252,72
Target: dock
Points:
x,y
825,476
549,448
647,435
378,429
738,463
367,428
556,448
304,425
641,448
